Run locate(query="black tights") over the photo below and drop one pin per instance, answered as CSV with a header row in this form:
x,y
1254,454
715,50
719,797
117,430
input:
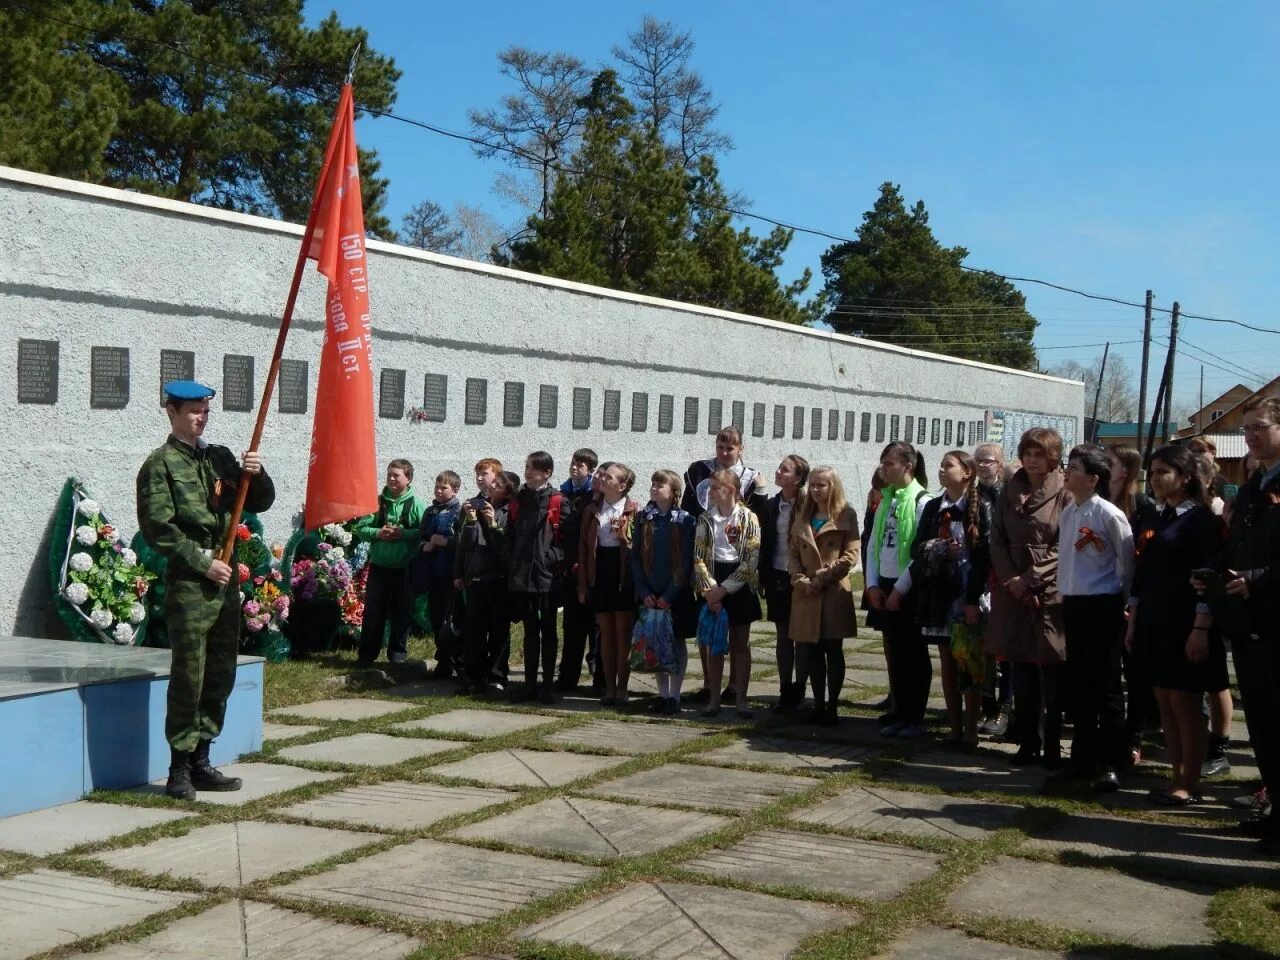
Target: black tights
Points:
x,y
823,663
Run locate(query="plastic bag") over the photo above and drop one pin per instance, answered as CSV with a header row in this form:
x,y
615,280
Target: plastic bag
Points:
x,y
653,643
967,649
713,631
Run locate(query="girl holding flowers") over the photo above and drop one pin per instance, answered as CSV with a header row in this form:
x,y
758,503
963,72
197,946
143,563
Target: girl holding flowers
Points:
x,y
604,573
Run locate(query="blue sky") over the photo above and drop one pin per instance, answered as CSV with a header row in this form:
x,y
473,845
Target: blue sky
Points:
x,y
1106,146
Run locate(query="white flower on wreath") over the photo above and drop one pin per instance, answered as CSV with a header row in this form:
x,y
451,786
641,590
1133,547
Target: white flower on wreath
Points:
x,y
87,535
80,562
123,633
77,593
88,508
128,557
337,554
101,618
137,613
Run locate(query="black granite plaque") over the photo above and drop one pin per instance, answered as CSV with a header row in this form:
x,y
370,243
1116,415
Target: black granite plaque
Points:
x,y
237,382
612,409
690,414
797,423
581,408
38,371
391,393
176,365
909,429
850,425
738,417
982,430
666,412
109,378
548,405
513,404
715,416
757,419
815,423
946,424
476,403
833,424
779,421
639,412
435,397
935,432
864,431
880,427
922,427
895,424
293,386
960,425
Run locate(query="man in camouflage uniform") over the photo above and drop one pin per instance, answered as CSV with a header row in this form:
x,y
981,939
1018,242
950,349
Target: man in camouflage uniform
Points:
x,y
186,491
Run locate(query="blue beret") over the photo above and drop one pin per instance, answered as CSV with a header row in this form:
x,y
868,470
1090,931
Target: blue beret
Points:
x,y
188,390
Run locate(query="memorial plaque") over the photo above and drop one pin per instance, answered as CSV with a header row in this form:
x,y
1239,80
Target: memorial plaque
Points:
x,y
779,421
237,382
960,433
982,431
639,412
922,427
815,423
715,416
391,393
865,430
797,423
739,416
581,408
476,403
973,430
757,419
293,386
880,427
612,409
690,414
909,429
947,428
666,412
833,424
435,397
513,404
548,405
109,378
850,425
176,365
936,431
895,423
37,371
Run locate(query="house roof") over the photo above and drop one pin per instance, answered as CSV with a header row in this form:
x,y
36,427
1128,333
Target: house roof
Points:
x,y
1131,429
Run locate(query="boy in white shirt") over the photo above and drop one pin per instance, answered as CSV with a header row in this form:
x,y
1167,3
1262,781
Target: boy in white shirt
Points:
x,y
1095,566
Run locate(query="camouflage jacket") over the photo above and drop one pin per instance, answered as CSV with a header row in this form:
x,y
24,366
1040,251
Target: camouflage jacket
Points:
x,y
185,498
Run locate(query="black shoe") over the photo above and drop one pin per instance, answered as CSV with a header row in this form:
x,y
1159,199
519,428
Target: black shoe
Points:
x,y
887,720
1215,766
1064,781
671,707
700,696
441,672
179,784
1106,781
465,688
1026,757
656,705
564,686
995,726
547,695
728,694
829,717
521,694
205,777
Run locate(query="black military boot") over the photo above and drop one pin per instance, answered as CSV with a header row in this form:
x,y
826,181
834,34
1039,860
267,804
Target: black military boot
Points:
x,y
205,777
179,784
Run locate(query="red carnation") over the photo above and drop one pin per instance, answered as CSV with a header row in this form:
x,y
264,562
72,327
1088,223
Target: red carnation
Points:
x,y
242,532
245,572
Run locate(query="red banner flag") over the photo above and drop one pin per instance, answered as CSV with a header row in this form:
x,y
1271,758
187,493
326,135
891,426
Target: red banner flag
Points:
x,y
342,480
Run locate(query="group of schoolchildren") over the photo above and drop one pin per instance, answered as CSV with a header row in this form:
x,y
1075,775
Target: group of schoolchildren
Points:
x,y
1045,589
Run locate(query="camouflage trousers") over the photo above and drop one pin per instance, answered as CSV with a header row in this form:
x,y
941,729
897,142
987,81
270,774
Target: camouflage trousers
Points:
x,y
203,622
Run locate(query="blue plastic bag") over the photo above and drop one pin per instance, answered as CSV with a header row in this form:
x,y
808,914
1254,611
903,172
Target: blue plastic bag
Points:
x,y
653,643
713,631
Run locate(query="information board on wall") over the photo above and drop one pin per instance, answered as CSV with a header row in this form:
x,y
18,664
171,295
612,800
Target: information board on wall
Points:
x,y
37,371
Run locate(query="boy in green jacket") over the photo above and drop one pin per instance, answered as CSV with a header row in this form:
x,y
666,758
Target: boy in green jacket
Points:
x,y
392,534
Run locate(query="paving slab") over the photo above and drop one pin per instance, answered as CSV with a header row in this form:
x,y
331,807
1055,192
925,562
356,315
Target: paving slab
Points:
x,y
668,921
44,909
634,738
234,854
856,868
57,829
935,943
593,828
369,750
881,810
1099,902
349,708
703,788
792,754
247,930
527,768
287,731
397,805
865,678
967,771
260,780
430,880
1174,849
476,723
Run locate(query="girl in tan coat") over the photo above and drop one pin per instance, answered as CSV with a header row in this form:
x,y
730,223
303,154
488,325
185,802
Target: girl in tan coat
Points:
x,y
823,552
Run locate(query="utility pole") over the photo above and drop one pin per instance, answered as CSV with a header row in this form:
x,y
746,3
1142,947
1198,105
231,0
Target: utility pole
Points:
x,y
1097,394
1173,350
1146,360
1200,416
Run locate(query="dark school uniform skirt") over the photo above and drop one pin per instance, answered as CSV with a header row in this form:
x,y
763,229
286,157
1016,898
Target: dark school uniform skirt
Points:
x,y
777,595
742,606
608,594
1162,647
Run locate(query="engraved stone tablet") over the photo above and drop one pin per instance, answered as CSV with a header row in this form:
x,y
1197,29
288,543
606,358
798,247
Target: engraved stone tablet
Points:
x,y
513,404
612,409
960,433
864,433
176,365
435,397
947,427
922,426
476,409
797,423
548,405
690,414
391,393
109,378
639,412
739,415
757,419
936,432
581,408
909,429
880,425
715,415
779,421
833,424
815,423
37,371
895,422
850,425
666,412
292,387
237,382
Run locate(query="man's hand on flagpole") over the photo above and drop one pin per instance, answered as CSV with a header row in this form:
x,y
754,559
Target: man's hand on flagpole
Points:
x,y
251,462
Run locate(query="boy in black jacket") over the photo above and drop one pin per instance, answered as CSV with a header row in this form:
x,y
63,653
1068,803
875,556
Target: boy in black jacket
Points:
x,y
480,569
535,570
579,621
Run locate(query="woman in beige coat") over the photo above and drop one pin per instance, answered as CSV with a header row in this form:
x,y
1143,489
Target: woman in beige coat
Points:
x,y
1025,628
823,551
